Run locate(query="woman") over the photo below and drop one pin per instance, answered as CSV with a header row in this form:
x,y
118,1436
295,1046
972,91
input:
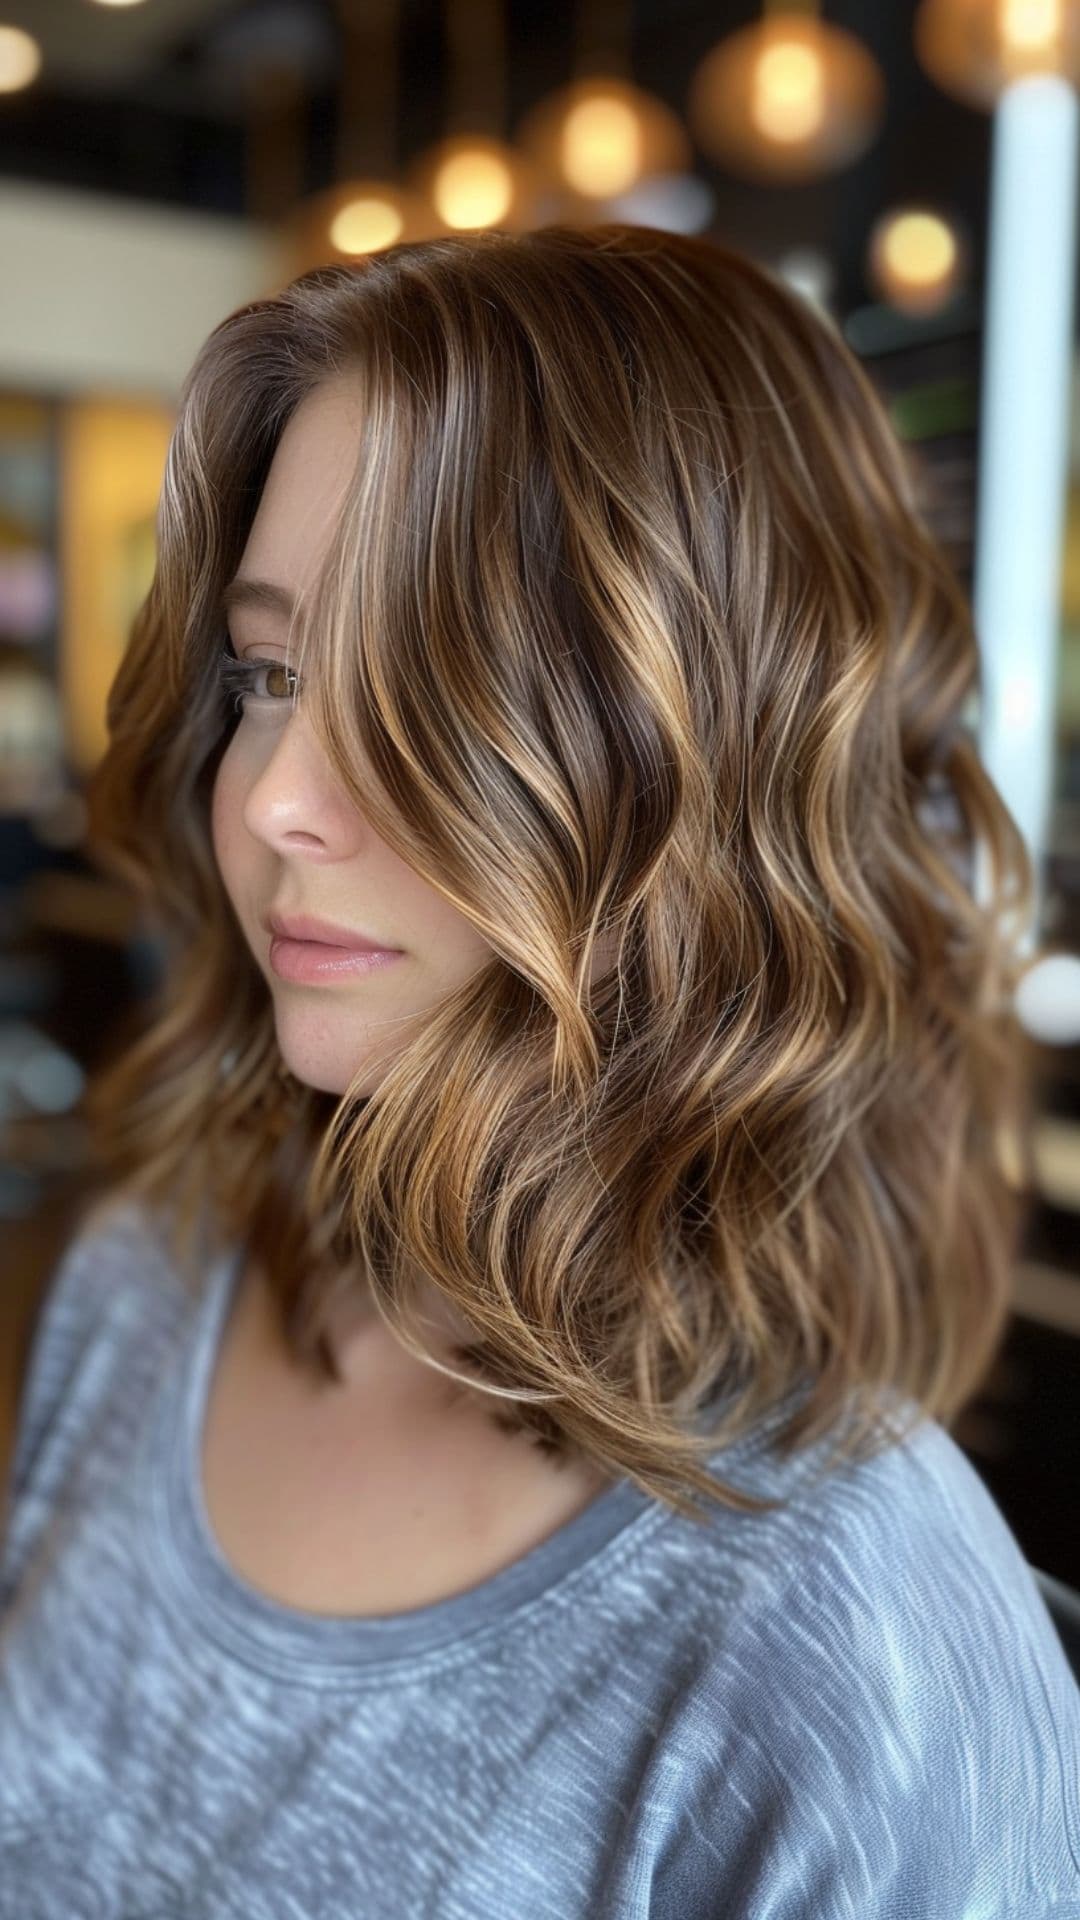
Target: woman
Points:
x,y
485,1450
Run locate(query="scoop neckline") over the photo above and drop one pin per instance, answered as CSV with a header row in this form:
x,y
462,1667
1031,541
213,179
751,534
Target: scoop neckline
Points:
x,y
294,1642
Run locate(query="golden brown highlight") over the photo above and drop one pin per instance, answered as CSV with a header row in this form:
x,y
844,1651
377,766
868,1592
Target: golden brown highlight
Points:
x,y
631,627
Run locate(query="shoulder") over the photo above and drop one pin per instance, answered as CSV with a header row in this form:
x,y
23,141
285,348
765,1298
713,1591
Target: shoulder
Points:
x,y
108,1240
113,1289
887,1722
118,1247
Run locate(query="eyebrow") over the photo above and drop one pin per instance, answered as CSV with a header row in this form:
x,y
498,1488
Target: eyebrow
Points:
x,y
263,595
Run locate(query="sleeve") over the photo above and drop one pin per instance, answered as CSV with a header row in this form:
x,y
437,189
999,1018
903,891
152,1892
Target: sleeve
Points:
x,y
68,1314
897,1739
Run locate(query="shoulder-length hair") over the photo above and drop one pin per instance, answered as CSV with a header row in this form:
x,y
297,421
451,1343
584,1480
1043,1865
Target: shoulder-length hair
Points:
x,y
632,612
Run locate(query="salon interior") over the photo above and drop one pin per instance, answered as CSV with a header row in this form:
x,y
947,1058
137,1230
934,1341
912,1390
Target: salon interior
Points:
x,y
911,169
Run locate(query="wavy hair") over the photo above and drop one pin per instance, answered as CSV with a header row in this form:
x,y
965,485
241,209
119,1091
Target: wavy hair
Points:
x,y
633,613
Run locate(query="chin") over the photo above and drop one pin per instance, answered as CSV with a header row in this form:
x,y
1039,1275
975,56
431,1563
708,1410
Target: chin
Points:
x,y
316,1063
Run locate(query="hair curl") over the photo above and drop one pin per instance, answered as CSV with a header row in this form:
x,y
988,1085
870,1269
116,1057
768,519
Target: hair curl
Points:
x,y
633,613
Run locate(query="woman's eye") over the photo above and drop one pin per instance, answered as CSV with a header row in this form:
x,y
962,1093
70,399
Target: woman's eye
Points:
x,y
267,682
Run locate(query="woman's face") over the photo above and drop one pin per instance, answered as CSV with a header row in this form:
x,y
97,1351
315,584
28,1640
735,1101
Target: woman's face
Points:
x,y
286,837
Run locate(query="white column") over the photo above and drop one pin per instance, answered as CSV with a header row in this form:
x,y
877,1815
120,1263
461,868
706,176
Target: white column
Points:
x,y
1023,449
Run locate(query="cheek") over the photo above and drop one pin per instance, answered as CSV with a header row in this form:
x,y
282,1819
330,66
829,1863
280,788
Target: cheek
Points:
x,y
226,800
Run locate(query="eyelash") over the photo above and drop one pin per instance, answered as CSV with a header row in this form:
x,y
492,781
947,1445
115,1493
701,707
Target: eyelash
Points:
x,y
236,679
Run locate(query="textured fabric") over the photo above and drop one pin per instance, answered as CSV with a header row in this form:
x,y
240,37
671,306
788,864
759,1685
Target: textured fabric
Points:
x,y
856,1709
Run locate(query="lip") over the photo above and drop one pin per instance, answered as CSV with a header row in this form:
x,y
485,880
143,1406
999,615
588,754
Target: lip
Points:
x,y
303,927
310,963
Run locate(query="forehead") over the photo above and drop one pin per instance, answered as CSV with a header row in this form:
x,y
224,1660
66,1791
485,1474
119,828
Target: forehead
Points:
x,y
308,480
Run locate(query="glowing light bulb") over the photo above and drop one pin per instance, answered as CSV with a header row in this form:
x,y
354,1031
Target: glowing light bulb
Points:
x,y
1030,26
920,249
365,225
601,145
472,189
788,99
20,59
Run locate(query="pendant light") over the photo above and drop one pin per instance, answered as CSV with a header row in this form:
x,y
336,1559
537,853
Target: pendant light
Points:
x,y
788,98
365,209
601,135
974,49
472,177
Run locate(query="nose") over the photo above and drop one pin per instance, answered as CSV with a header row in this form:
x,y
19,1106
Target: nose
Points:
x,y
294,801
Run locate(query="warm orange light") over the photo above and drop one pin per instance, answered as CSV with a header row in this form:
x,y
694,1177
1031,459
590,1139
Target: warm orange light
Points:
x,y
20,59
973,49
1032,26
352,220
786,98
916,259
600,147
473,190
600,136
475,182
366,224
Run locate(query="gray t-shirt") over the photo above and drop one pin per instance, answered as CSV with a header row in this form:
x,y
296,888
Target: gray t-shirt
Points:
x,y
857,1709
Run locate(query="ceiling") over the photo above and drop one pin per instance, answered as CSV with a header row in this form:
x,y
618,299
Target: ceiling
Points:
x,y
92,49
151,102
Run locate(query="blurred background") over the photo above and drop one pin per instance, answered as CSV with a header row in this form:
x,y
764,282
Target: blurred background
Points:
x,y
912,169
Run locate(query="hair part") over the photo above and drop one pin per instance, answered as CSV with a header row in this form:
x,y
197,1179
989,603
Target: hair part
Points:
x,y
629,624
